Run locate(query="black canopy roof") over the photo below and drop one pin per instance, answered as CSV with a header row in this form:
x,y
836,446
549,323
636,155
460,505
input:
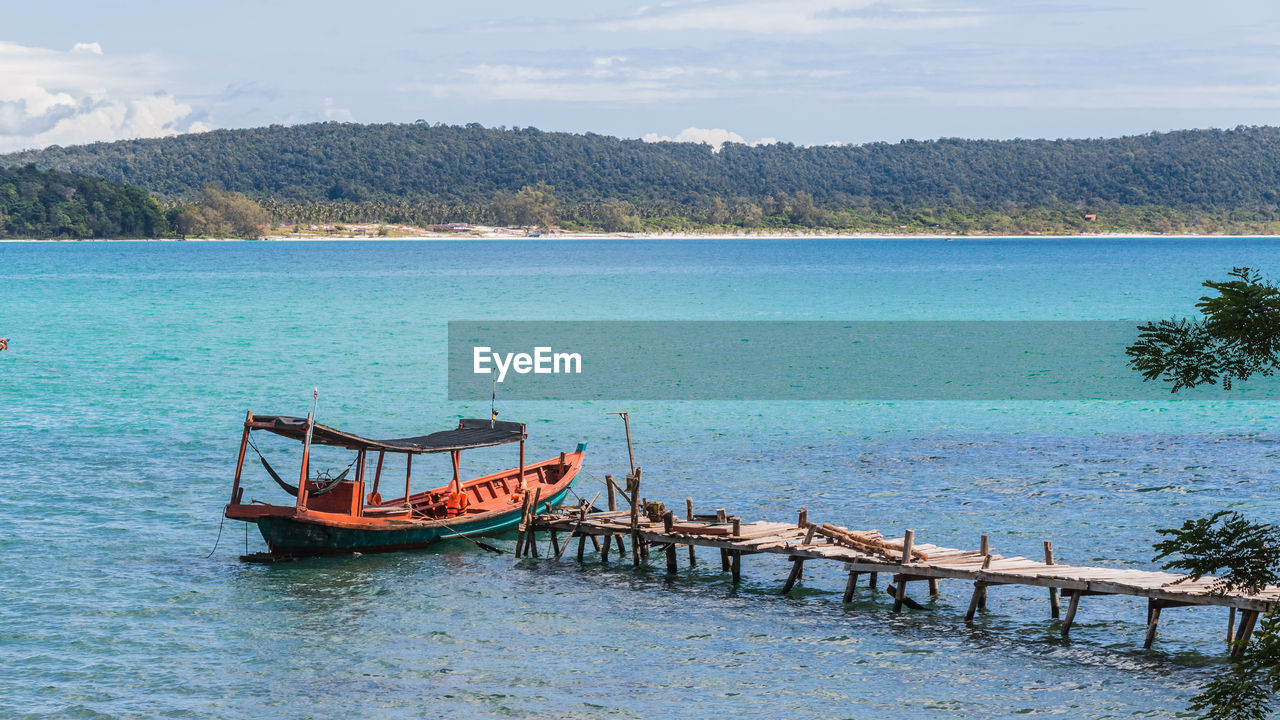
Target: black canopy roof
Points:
x,y
470,434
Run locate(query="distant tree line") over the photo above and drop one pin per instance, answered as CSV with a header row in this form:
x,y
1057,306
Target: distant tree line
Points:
x,y
47,203
779,212
218,213
38,203
474,165
241,182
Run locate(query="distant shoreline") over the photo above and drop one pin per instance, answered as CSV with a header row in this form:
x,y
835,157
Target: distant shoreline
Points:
x,y
480,237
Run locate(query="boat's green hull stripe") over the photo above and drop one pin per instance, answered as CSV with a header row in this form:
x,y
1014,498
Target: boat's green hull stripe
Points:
x,y
289,536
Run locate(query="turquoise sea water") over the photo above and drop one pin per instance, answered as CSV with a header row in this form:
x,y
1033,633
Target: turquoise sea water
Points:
x,y
116,466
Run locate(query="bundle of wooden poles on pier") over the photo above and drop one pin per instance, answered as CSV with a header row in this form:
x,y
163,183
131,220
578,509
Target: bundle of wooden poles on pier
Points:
x,y
650,526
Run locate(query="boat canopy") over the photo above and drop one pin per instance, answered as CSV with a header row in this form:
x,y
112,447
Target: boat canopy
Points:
x,y
470,434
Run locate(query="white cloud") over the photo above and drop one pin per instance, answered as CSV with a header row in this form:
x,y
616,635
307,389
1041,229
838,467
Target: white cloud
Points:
x,y
1118,96
615,82
792,17
715,137
603,67
81,95
333,111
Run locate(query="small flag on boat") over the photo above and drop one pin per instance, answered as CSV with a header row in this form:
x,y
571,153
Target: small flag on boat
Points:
x,y
4,344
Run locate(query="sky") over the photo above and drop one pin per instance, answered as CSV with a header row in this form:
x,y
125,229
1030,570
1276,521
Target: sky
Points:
x,y
802,71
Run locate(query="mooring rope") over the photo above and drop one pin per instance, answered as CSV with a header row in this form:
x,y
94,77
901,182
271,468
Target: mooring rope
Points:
x,y
482,546
219,539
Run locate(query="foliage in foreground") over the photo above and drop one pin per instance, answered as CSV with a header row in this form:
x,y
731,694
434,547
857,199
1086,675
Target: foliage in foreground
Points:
x,y
1236,336
1244,555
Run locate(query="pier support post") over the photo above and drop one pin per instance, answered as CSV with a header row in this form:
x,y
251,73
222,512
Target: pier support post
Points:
x,y
1053,592
737,555
850,586
582,546
611,488
1231,627
668,521
1248,618
871,581
979,590
933,587
1071,612
688,507
633,495
908,539
560,549
644,541
524,525
532,539
797,569
1153,619
984,548
723,517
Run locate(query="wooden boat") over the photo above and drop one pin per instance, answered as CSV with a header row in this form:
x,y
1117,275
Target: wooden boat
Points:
x,y
334,515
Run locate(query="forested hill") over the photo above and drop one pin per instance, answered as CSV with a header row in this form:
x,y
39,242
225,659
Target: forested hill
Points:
x,y
41,204
1218,169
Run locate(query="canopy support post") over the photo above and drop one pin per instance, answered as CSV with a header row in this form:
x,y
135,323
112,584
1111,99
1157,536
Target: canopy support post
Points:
x,y
244,444
360,460
377,473
306,464
457,481
520,477
408,469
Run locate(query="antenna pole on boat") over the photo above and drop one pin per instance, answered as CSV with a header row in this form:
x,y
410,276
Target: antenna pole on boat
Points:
x,y
626,423
315,400
493,399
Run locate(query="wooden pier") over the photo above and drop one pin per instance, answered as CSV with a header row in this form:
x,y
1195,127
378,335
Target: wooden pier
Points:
x,y
650,527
